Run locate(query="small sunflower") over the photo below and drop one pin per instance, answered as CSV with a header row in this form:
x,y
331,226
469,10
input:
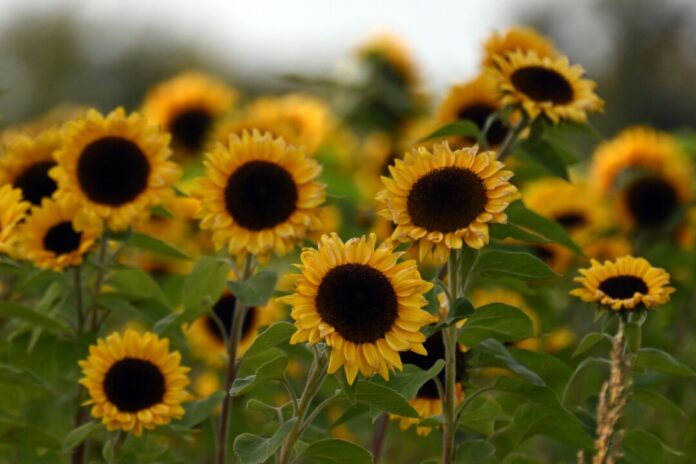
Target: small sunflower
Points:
x,y
607,248
26,163
134,382
627,283
187,106
12,211
446,198
544,86
391,53
649,171
259,195
51,237
517,39
361,302
115,166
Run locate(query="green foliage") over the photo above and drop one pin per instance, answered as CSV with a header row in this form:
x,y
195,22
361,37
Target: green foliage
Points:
x,y
256,290
496,320
334,451
253,449
499,263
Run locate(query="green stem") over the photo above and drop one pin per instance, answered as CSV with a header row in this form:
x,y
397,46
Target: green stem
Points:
x,y
79,302
99,281
511,137
118,442
449,337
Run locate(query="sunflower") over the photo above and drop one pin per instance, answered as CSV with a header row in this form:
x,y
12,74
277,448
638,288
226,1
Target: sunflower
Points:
x,y
259,195
134,382
427,402
446,198
522,39
544,86
53,239
115,166
12,211
51,120
26,163
474,101
390,53
361,302
607,248
187,106
377,153
651,174
626,283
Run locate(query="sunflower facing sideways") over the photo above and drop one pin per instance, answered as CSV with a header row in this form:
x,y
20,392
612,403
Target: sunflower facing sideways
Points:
x,y
361,302
522,39
187,106
134,381
12,211
115,166
544,86
259,195
444,199
625,284
51,237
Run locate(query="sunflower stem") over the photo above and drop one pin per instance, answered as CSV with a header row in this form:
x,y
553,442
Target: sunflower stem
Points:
x,y
449,337
512,136
99,281
116,445
79,303
379,437
78,454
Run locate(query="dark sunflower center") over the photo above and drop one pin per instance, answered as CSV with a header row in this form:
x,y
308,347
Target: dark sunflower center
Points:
x,y
571,221
224,310
623,286
62,238
542,85
651,201
358,301
436,350
260,195
113,171
189,128
134,384
479,114
35,183
446,199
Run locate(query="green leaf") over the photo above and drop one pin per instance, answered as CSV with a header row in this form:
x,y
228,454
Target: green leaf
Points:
x,y
79,434
271,370
256,290
383,398
411,379
590,340
334,451
657,360
33,318
274,335
546,155
521,265
137,284
554,372
652,398
205,284
503,231
461,310
149,243
22,378
525,218
496,320
502,356
480,415
253,449
27,435
200,410
641,447
463,128
519,458
475,452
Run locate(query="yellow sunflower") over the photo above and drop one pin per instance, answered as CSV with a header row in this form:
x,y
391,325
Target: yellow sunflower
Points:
x,y
259,194
445,198
115,166
607,248
134,382
356,297
626,283
187,106
649,171
544,86
52,238
51,120
389,50
26,163
517,39
12,211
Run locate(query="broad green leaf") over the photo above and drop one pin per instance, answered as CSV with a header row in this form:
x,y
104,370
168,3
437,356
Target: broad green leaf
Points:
x,y
463,128
475,452
480,415
590,340
461,310
256,290
28,435
521,265
657,360
354,412
502,357
509,230
652,398
563,427
383,398
271,370
411,379
496,320
274,335
22,378
525,218
137,284
546,155
519,458
641,447
79,434
200,410
554,372
35,319
334,451
149,243
205,284
253,449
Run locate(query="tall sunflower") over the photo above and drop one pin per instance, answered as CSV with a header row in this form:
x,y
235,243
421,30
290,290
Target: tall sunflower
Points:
x,y
52,238
444,199
259,194
544,86
134,382
26,163
187,106
650,173
12,211
115,166
358,299
393,55
625,284
522,39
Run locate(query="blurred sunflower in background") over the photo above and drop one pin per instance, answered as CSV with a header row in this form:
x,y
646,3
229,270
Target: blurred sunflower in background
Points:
x,y
134,381
115,166
362,302
522,39
13,211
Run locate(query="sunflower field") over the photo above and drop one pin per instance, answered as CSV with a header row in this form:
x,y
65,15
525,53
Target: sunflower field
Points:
x,y
351,272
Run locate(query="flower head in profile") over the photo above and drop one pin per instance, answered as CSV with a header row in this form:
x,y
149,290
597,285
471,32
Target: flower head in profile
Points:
x,y
12,211
522,39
